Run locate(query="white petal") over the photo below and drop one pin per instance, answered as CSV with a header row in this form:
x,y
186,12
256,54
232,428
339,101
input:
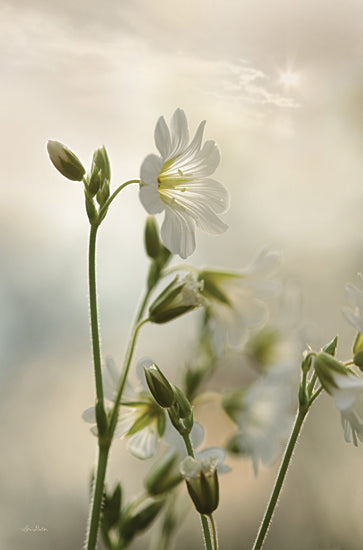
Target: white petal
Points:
x,y
179,133
150,199
197,435
111,377
265,264
162,137
353,319
126,419
355,296
143,444
150,169
89,415
177,231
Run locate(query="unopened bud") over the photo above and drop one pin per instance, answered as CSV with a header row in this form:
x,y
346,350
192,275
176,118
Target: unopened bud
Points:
x,y
177,298
163,476
326,367
65,161
152,241
159,386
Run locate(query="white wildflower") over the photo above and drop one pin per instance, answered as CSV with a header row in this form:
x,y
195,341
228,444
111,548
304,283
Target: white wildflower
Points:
x,y
178,183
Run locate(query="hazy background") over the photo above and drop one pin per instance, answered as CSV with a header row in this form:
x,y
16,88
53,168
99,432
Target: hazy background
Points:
x,y
281,87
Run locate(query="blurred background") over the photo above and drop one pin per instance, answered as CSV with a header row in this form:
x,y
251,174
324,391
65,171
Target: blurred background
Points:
x,y
281,87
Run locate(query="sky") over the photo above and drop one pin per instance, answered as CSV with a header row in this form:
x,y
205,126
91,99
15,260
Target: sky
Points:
x,y
281,87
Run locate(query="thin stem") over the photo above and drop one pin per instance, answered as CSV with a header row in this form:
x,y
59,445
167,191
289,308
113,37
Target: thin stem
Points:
x,y
93,312
206,531
97,496
143,304
104,208
280,479
127,363
214,531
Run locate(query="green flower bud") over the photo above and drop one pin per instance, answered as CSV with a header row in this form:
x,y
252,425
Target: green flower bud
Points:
x,y
112,508
177,298
132,524
65,161
202,483
101,163
163,476
358,343
159,386
90,208
325,367
152,241
103,193
331,347
358,359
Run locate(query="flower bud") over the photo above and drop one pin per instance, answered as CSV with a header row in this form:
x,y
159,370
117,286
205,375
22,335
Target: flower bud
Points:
x,y
331,347
159,386
358,343
163,476
65,161
326,367
202,483
104,192
90,208
358,359
152,241
140,520
177,298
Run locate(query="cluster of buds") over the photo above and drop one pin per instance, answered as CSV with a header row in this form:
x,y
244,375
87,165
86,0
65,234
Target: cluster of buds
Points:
x,y
96,183
200,475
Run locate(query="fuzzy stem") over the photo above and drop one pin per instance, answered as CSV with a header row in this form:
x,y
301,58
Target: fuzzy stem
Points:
x,y
97,497
206,531
280,479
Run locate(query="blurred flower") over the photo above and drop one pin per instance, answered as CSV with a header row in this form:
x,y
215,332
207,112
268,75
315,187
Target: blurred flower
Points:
x,y
142,422
236,300
354,315
263,414
347,391
178,182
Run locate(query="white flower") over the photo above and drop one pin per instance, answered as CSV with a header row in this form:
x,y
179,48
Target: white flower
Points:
x,y
347,393
263,414
354,315
142,422
237,300
178,182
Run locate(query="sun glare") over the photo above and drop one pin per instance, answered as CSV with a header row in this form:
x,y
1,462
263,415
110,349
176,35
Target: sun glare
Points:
x,y
290,79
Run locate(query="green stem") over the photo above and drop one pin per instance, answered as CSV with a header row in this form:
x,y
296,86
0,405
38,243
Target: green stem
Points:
x,y
206,531
97,497
93,312
214,531
280,478
104,208
127,363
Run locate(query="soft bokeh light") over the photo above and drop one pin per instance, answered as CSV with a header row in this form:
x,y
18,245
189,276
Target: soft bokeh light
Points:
x,y
291,148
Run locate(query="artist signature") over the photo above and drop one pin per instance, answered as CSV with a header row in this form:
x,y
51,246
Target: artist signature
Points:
x,y
36,529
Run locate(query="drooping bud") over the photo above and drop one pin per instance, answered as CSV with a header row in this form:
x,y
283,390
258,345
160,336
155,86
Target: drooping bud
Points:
x,y
159,386
163,476
326,367
177,298
65,161
202,483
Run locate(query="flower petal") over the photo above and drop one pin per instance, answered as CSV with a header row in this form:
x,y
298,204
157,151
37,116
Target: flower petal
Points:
x,y
162,137
89,415
179,133
150,170
177,231
143,444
